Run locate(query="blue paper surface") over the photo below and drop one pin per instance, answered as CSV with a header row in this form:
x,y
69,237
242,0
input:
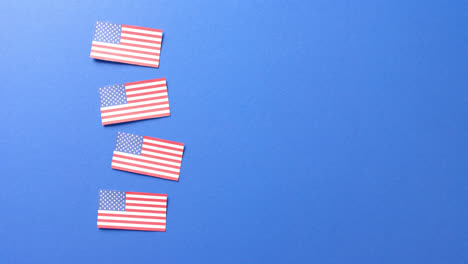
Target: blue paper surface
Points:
x,y
315,132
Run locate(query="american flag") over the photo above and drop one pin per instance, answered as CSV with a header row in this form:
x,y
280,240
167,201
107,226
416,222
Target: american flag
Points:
x,y
126,44
134,101
148,156
132,210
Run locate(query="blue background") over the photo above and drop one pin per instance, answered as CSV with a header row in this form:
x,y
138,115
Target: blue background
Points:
x,y
316,132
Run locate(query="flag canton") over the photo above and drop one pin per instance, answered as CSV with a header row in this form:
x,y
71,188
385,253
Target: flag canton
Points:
x,y
113,95
107,32
129,143
111,200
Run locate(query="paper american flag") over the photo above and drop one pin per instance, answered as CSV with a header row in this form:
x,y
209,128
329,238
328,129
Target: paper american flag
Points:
x,y
148,156
132,210
126,44
134,101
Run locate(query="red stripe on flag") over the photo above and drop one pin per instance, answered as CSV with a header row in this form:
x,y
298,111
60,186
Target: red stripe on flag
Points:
x,y
158,157
125,61
146,93
161,146
145,87
134,119
160,152
164,141
138,46
132,107
143,28
131,228
146,199
146,81
147,161
140,34
124,49
146,205
144,211
145,167
136,112
147,99
149,194
125,55
134,216
131,222
141,40
144,173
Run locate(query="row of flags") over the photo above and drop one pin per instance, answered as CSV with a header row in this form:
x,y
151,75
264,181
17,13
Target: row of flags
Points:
x,y
134,101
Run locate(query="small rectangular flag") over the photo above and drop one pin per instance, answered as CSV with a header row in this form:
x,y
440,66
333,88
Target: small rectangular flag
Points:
x,y
126,44
132,210
134,101
148,156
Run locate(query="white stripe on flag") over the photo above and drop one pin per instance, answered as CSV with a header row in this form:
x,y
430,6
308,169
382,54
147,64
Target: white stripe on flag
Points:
x,y
162,214
163,143
145,202
97,49
130,225
156,197
122,58
147,44
135,168
134,110
163,149
146,96
101,217
147,90
149,152
135,116
130,35
124,28
133,104
112,45
145,208
154,159
131,86
117,159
